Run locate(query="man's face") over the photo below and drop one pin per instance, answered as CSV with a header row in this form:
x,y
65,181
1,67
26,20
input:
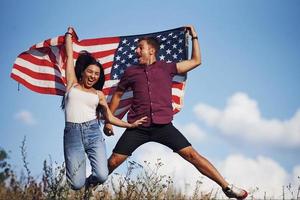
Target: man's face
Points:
x,y
144,52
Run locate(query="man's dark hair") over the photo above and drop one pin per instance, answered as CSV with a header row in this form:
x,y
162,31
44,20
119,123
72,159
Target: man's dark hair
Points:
x,y
151,41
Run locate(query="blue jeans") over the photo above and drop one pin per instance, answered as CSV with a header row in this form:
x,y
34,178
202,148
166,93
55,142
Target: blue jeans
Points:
x,y
81,138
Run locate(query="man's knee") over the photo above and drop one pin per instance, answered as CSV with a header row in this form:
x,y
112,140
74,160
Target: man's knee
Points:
x,y
190,154
115,160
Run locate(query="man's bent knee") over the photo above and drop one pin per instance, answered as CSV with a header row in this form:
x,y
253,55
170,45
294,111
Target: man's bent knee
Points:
x,y
189,153
115,160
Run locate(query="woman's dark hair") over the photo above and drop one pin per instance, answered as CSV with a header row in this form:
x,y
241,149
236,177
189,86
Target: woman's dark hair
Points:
x,y
84,60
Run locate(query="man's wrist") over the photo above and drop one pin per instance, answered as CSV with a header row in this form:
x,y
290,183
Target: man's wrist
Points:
x,y
194,37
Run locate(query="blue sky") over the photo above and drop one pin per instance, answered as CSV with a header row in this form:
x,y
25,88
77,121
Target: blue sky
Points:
x,y
241,104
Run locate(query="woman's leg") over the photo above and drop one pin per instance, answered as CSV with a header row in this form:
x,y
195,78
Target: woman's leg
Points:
x,y
74,156
96,152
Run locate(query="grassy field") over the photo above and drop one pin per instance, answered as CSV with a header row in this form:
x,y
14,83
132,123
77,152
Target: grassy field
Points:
x,y
141,181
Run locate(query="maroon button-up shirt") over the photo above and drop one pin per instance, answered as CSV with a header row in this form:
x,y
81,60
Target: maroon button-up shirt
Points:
x,y
152,92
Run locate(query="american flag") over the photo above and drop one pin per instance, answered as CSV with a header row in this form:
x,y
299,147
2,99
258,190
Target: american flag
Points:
x,y
42,67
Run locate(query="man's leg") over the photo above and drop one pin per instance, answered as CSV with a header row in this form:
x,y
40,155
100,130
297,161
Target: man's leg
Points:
x,y
115,160
128,142
168,135
203,165
171,137
206,168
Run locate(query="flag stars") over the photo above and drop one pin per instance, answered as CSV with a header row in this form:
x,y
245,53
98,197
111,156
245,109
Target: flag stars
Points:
x,y
171,49
162,57
116,66
115,76
130,56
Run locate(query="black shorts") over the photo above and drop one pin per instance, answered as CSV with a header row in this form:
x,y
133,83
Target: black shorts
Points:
x,y
165,134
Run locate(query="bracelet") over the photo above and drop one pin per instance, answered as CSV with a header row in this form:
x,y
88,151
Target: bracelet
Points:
x,y
195,38
67,33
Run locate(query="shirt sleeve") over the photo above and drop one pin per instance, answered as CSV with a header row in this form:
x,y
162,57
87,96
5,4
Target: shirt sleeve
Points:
x,y
124,82
171,68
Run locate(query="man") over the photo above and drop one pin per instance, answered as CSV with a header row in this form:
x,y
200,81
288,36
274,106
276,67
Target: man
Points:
x,y
151,83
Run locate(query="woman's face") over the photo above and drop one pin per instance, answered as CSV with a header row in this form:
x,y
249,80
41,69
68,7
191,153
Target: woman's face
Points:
x,y
90,75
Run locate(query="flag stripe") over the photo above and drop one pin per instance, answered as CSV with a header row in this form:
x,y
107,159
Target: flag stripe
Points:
x,y
36,66
38,82
43,90
38,75
35,60
97,41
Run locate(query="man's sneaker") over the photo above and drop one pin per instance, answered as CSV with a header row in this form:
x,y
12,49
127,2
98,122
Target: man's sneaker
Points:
x,y
233,192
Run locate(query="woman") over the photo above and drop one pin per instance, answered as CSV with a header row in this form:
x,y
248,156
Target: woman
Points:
x,y
82,134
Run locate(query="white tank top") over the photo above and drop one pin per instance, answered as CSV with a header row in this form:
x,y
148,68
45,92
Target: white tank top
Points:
x,y
80,106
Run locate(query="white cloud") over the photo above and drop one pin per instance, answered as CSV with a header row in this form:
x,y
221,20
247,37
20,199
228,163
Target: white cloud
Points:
x,y
25,117
192,132
242,117
262,173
